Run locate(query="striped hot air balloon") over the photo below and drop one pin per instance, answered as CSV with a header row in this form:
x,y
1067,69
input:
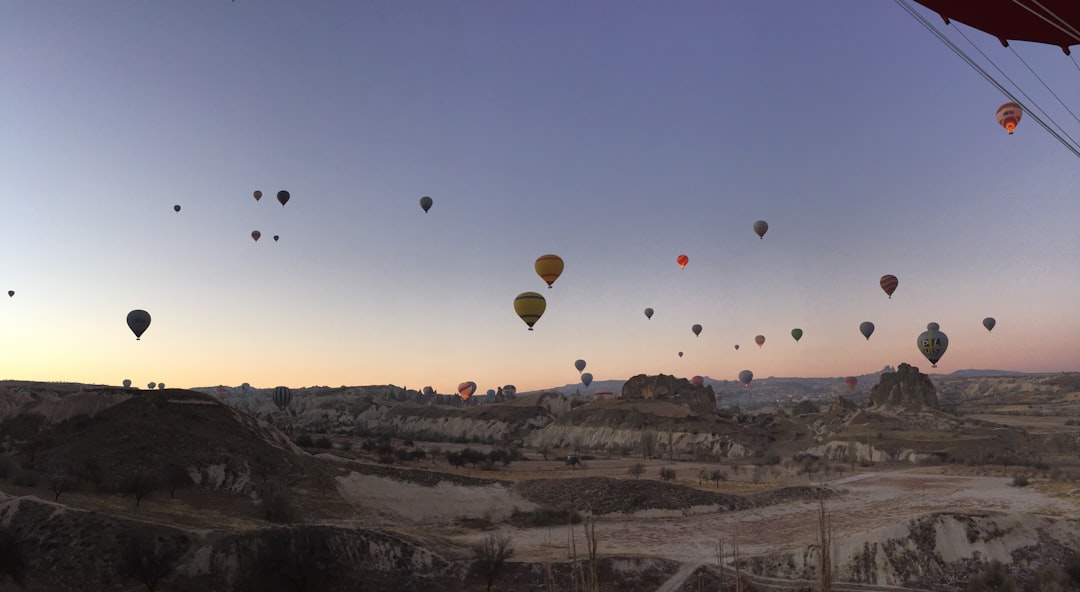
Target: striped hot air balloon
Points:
x,y
549,268
466,389
530,306
889,283
1008,115
281,397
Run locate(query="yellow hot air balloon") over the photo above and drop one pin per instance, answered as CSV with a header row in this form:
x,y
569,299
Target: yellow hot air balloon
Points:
x,y
530,307
549,268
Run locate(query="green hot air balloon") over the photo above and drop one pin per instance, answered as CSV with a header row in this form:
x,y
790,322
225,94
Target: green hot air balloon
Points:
x,y
933,343
797,334
867,329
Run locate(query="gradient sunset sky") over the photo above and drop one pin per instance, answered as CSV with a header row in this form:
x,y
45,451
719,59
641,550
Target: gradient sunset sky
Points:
x,y
617,135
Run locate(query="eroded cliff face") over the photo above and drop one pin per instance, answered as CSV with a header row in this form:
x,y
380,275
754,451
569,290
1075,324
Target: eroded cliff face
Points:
x,y
907,389
700,399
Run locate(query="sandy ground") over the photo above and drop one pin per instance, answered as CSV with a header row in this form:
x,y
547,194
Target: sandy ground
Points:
x,y
392,502
867,501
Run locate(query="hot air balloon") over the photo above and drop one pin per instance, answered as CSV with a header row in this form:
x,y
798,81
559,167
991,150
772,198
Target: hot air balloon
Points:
x,y
759,340
682,260
761,227
490,394
425,203
255,234
736,347
138,321
933,343
580,365
648,313
151,385
696,329
530,307
867,329
283,197
466,389
745,377
258,195
549,268
127,383
586,379
161,386
989,323
176,208
888,283
1046,21
680,354
797,334
11,294
851,381
1008,115
281,397
276,237
697,381
509,390
933,327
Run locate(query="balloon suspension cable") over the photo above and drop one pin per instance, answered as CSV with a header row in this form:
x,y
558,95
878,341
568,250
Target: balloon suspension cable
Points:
x,y
986,75
1047,87
1073,58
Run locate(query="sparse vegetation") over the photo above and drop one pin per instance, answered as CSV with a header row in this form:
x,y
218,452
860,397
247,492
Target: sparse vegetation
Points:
x,y
1020,480
140,486
59,482
277,506
667,474
148,558
543,517
636,469
489,555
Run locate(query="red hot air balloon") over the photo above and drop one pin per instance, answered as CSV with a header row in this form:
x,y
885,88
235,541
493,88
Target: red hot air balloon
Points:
x,y
889,283
682,260
466,389
851,381
697,381
255,234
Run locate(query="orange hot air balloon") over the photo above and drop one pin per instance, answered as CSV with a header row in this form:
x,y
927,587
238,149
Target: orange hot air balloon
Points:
x,y
889,283
466,389
255,234
682,261
549,268
1008,115
851,381
759,340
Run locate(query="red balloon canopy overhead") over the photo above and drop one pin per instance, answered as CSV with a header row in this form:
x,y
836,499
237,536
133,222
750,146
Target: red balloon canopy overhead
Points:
x,y
1054,22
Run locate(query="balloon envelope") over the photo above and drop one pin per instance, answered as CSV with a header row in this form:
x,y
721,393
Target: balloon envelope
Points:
x,y
745,377
161,386
867,329
258,195
580,365
281,397
425,203
283,197
1008,115
697,381
736,347
530,306
138,321
586,379
989,323
151,385
851,381
682,260
11,293
933,343
760,228
509,390
255,234
466,389
276,237
888,283
549,268
1045,21
648,313
797,334
696,329
176,208
680,354
759,340
127,383
932,326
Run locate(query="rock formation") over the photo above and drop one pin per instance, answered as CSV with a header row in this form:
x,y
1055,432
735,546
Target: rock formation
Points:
x,y
906,389
700,399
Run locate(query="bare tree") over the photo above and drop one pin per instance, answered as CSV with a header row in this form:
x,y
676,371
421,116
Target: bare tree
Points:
x,y
59,482
667,474
173,477
636,470
140,485
717,476
593,582
491,553
148,558
825,542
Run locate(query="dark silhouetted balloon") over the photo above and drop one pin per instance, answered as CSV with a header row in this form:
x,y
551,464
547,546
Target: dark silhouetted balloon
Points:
x,y
281,397
138,321
283,197
989,323
759,340
276,237
697,381
258,195
509,390
867,329
151,385
549,268
648,313
736,347
933,343
680,354
586,379
745,377
255,234
530,307
161,386
426,203
127,383
696,329
797,334
176,208
11,294
760,228
580,365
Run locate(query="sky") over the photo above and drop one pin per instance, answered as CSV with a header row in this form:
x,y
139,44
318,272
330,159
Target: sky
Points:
x,y
617,135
